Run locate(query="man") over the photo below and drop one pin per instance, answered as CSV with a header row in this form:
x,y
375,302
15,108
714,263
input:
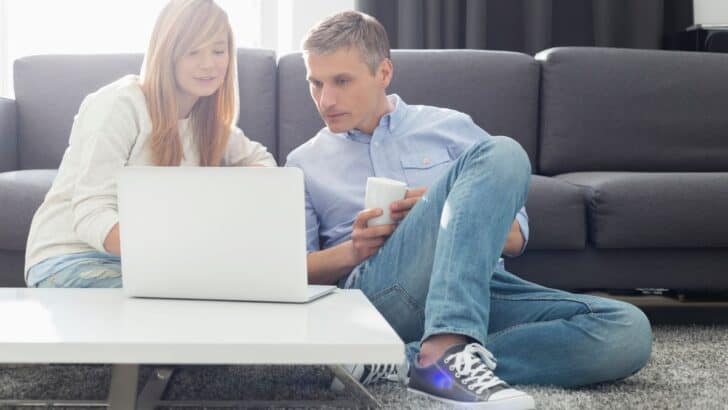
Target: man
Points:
x,y
436,274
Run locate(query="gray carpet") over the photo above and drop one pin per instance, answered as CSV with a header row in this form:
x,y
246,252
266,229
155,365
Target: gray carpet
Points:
x,y
688,370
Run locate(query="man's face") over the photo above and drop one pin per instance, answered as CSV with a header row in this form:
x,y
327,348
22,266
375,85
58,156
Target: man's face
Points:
x,y
347,95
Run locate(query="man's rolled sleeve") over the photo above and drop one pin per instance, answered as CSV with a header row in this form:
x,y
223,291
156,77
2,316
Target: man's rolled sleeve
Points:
x,y
313,243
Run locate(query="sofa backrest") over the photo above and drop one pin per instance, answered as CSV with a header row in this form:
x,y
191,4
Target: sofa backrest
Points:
x,y
606,109
49,90
499,90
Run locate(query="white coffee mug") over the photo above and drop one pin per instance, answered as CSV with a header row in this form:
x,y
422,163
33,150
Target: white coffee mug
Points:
x,y
380,193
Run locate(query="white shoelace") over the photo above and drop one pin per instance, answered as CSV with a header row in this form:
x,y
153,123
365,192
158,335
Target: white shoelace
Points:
x,y
380,371
478,363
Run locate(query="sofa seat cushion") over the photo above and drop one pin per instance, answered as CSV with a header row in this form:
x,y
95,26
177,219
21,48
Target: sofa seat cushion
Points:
x,y
21,193
655,210
556,215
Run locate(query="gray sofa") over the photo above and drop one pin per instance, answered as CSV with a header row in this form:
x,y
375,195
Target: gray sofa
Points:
x,y
629,148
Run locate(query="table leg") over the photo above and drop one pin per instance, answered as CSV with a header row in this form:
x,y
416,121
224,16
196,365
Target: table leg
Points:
x,y
123,388
125,378
155,387
365,398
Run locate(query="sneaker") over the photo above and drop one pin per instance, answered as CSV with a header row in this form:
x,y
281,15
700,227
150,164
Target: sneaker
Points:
x,y
368,374
463,376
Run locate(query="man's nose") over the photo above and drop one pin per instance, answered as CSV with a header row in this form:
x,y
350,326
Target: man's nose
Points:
x,y
327,99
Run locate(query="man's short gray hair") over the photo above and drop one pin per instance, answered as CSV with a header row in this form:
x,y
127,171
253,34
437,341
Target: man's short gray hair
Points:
x,y
349,29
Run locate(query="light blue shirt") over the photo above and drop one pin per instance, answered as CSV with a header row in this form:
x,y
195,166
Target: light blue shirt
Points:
x,y
414,143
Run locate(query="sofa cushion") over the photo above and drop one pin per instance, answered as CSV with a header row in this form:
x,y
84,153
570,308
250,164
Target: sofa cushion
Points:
x,y
8,136
655,210
21,193
556,215
11,269
43,130
258,98
499,90
605,109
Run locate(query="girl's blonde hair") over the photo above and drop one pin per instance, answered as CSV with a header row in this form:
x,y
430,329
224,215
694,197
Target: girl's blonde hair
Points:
x,y
182,26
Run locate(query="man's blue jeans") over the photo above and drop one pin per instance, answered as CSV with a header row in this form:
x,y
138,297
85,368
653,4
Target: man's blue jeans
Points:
x,y
439,273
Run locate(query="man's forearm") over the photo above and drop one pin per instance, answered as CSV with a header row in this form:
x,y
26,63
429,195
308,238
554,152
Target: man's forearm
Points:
x,y
328,266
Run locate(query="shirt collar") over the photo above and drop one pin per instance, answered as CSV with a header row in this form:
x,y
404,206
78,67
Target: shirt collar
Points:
x,y
400,109
389,120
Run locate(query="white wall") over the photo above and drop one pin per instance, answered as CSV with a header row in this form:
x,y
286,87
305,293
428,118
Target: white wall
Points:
x,y
4,68
274,24
296,17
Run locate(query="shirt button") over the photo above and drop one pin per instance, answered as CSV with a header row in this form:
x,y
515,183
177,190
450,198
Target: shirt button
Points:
x,y
426,161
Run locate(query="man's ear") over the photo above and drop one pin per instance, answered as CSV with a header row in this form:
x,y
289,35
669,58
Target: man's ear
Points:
x,y
385,71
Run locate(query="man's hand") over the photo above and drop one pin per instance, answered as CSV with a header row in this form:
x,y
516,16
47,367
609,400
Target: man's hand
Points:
x,y
365,240
330,265
401,208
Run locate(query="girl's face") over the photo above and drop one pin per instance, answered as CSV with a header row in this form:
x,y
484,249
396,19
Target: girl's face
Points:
x,y
201,72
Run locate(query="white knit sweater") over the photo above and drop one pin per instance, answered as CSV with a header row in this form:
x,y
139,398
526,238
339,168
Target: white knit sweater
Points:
x,y
110,131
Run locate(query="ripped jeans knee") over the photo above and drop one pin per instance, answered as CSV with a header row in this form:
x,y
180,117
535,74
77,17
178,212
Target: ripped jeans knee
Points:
x,y
99,274
87,273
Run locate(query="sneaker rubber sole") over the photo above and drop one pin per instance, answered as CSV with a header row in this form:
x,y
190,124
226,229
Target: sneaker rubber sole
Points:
x,y
524,402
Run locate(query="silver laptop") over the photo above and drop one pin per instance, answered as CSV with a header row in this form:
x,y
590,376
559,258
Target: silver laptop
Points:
x,y
214,233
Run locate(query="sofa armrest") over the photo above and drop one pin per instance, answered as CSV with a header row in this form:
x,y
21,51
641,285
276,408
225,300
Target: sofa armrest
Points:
x,y
8,135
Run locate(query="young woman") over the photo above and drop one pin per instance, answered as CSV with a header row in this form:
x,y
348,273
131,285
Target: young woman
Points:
x,y
181,111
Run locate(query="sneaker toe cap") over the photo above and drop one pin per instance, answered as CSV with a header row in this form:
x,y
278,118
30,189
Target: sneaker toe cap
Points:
x,y
514,396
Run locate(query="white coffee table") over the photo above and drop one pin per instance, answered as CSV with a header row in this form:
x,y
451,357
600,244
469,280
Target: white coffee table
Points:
x,y
104,326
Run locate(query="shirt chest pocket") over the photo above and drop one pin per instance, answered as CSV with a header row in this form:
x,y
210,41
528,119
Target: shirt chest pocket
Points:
x,y
423,168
